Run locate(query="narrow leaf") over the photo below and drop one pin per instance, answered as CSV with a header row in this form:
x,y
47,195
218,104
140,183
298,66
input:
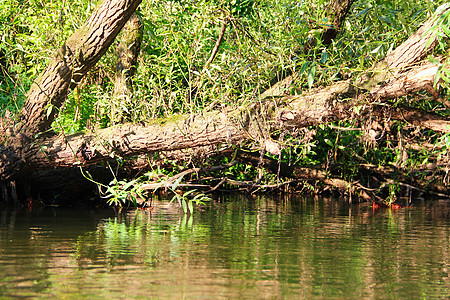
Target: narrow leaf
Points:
x,y
191,207
183,203
176,183
311,75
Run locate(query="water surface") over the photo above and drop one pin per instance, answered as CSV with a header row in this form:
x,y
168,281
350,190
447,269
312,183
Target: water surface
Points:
x,y
238,248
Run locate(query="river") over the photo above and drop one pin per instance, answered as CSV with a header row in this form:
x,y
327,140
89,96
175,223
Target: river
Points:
x,y
236,247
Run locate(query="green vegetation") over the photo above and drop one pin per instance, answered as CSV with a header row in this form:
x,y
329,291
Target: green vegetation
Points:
x,y
264,42
187,202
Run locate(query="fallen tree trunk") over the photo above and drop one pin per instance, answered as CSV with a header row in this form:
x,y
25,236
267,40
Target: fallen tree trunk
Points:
x,y
214,128
119,141
394,77
343,101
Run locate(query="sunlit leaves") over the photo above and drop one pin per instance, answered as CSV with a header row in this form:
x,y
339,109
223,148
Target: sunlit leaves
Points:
x,y
441,32
311,75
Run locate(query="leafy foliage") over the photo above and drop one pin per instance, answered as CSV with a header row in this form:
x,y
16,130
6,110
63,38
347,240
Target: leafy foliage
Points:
x,y
264,42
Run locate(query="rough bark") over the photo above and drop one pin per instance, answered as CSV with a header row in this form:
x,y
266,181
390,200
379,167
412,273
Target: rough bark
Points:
x,y
345,100
127,56
336,13
82,50
126,140
413,49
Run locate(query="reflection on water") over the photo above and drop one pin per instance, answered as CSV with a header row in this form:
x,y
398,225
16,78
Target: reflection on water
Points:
x,y
238,248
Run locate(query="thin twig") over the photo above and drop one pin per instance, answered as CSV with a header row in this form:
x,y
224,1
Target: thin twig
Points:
x,y
248,34
217,45
217,185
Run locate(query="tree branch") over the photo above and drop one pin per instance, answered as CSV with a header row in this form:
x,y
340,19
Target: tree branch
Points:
x,y
82,50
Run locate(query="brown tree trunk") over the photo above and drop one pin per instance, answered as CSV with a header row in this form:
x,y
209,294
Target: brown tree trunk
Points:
x,y
336,12
126,140
82,50
127,56
346,100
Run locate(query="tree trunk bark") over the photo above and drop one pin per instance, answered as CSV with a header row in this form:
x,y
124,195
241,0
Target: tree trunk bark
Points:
x,y
346,100
82,50
127,57
86,149
336,13
182,132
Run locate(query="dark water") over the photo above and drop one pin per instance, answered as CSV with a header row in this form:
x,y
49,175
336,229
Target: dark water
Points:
x,y
238,248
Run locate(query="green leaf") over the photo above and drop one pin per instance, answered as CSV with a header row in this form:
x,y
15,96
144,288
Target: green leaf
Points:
x,y
303,68
176,182
19,46
175,197
324,57
191,207
311,75
183,204
128,184
385,19
437,77
417,14
364,11
189,192
49,110
376,49
446,30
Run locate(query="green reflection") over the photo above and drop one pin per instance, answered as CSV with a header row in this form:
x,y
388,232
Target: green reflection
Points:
x,y
239,248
